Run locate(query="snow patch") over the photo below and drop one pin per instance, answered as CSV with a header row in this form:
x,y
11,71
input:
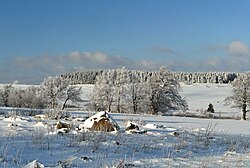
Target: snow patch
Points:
x,y
34,164
40,124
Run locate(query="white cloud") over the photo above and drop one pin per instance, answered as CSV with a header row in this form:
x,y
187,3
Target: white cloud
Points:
x,y
101,58
234,56
75,56
238,48
235,48
35,69
213,61
95,58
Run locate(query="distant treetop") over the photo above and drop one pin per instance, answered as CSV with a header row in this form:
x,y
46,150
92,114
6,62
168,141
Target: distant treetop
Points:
x,y
89,76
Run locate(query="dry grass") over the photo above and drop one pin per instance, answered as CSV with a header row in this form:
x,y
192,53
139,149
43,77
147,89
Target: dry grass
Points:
x,y
102,125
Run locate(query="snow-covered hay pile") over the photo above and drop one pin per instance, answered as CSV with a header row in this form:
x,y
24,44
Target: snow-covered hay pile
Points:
x,y
101,121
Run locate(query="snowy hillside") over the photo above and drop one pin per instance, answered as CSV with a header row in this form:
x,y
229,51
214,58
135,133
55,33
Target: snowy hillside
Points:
x,y
200,95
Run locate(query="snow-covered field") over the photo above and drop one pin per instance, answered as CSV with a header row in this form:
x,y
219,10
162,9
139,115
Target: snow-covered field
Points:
x,y
163,141
200,95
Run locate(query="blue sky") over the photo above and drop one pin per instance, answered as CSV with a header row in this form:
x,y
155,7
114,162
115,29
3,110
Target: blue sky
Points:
x,y
49,37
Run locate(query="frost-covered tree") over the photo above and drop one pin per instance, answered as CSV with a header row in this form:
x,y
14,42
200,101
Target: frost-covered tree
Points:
x,y
103,93
240,97
206,77
72,93
15,98
134,94
5,95
29,97
155,93
58,89
164,92
32,98
137,97
53,90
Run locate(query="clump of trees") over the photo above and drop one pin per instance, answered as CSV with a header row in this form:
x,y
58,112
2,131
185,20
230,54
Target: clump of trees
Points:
x,y
206,77
128,91
240,97
48,95
29,97
58,89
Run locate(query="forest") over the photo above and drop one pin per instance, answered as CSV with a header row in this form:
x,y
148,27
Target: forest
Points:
x,y
89,76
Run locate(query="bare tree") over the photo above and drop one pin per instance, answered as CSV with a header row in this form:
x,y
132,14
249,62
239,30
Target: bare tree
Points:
x,y
240,94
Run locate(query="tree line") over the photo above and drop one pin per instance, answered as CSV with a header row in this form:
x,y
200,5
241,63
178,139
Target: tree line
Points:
x,y
90,76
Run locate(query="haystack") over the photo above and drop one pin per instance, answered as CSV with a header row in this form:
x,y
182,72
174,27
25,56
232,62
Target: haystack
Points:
x,y
101,121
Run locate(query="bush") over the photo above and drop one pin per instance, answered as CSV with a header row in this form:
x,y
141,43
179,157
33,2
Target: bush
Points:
x,y
210,108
